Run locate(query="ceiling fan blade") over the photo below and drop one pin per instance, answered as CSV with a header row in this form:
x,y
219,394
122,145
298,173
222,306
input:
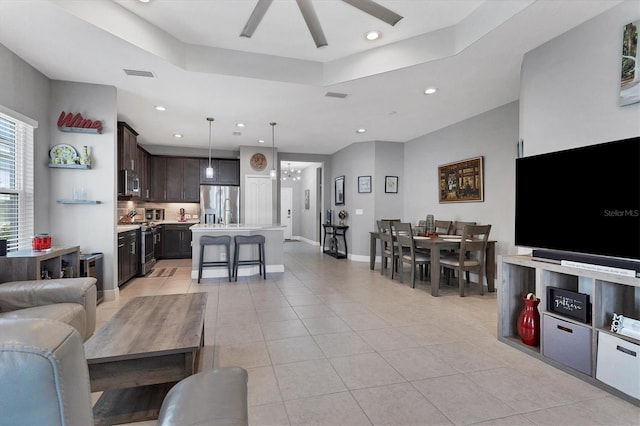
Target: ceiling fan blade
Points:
x,y
255,18
376,10
310,17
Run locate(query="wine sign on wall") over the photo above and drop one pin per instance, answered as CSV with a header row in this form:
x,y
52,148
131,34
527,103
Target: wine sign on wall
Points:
x,y
70,122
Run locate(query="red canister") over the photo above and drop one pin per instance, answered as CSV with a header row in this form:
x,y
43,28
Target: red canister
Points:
x,y
41,242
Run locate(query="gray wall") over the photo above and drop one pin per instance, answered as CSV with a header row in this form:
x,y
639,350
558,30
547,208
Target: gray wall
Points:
x,y
27,91
389,161
92,227
570,86
492,135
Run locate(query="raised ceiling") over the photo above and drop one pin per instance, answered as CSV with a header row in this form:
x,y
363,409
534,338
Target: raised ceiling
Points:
x,y
471,50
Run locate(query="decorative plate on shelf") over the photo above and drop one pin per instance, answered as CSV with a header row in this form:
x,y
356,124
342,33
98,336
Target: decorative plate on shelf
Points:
x,y
258,161
63,154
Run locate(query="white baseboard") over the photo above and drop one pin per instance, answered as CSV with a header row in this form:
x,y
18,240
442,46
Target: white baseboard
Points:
x,y
113,294
306,240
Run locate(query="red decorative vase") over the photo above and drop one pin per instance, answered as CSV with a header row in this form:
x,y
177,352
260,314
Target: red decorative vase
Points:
x,y
529,322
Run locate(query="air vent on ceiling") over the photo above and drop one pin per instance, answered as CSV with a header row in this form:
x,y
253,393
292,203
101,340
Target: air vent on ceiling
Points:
x,y
236,133
336,95
139,73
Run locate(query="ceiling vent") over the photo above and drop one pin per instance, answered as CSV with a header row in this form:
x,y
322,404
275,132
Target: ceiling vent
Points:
x,y
236,133
138,73
336,95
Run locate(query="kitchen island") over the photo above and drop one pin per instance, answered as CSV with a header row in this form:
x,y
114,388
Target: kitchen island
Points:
x,y
274,240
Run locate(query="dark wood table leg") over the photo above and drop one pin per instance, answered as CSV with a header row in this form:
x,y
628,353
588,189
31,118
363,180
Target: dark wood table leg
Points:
x,y
435,270
490,266
372,251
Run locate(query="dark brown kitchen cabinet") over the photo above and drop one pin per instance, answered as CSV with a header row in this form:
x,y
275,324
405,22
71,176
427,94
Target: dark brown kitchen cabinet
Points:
x,y
143,173
183,180
225,171
128,256
176,241
127,147
158,187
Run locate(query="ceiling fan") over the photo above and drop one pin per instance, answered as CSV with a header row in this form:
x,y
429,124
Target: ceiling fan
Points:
x,y
311,18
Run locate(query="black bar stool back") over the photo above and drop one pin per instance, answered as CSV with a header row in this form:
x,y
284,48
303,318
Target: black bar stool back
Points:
x,y
208,240
249,239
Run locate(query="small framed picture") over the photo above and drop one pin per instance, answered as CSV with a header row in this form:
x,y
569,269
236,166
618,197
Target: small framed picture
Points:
x,y
307,196
364,184
391,184
339,190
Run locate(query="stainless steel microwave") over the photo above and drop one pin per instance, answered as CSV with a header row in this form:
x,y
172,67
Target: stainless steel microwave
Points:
x,y
128,184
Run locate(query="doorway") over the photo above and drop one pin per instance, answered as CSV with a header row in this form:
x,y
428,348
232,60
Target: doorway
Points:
x,y
286,211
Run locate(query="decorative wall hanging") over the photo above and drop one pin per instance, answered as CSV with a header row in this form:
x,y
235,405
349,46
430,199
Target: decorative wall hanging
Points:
x,y
461,181
630,68
258,161
76,123
339,190
364,184
391,184
307,196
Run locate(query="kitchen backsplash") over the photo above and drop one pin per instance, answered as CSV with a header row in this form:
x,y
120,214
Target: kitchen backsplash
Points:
x,y
171,210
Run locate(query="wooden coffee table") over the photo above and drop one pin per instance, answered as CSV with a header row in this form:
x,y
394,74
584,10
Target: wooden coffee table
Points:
x,y
148,345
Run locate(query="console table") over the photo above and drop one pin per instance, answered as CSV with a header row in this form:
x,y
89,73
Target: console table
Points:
x,y
53,263
335,232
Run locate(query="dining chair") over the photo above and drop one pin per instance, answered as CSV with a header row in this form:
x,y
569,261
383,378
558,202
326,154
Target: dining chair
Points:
x,y
443,226
387,246
471,256
408,253
456,229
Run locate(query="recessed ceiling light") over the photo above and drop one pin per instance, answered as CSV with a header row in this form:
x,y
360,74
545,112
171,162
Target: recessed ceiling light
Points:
x,y
361,130
240,125
160,108
430,91
372,35
144,1
177,135
260,140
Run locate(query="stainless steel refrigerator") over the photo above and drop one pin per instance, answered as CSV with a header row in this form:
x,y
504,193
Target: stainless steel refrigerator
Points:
x,y
219,204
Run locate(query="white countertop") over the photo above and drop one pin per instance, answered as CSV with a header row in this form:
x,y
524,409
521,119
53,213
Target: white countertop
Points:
x,y
201,227
125,228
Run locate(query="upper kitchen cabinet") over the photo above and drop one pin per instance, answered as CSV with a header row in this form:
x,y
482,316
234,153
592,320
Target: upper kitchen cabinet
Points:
x,y
143,172
127,148
158,184
225,171
175,179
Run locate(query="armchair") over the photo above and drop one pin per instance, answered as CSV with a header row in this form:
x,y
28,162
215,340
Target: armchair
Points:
x,y
45,380
69,300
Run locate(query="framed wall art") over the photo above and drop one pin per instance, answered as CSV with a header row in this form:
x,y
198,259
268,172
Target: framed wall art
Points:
x,y
364,184
391,184
629,70
307,196
339,190
461,181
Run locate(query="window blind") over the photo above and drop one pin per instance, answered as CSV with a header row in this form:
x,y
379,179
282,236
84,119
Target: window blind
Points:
x,y
16,183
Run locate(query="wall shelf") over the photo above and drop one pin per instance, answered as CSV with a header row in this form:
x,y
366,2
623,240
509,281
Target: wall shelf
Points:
x,y
79,202
79,130
70,166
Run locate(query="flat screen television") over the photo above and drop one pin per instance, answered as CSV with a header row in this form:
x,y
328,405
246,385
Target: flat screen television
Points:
x,y
584,201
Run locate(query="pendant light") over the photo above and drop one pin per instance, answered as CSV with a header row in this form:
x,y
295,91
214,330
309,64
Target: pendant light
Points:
x,y
273,173
209,170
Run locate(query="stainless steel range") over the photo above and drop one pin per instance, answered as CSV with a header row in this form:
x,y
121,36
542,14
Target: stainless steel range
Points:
x,y
147,247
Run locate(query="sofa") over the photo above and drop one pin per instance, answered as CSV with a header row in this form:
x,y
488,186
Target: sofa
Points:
x,y
69,300
45,380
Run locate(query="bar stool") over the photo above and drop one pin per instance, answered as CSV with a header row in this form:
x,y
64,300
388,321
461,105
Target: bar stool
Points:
x,y
249,239
208,240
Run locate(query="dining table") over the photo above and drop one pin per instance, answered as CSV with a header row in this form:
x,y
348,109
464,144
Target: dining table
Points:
x,y
436,244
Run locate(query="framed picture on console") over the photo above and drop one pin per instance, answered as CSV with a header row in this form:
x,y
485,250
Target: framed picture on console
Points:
x,y
339,190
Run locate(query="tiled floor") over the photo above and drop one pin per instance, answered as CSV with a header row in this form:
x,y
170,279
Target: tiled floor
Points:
x,y
331,342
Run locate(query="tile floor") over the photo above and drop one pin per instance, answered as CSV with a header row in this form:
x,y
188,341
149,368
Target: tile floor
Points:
x,y
330,342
